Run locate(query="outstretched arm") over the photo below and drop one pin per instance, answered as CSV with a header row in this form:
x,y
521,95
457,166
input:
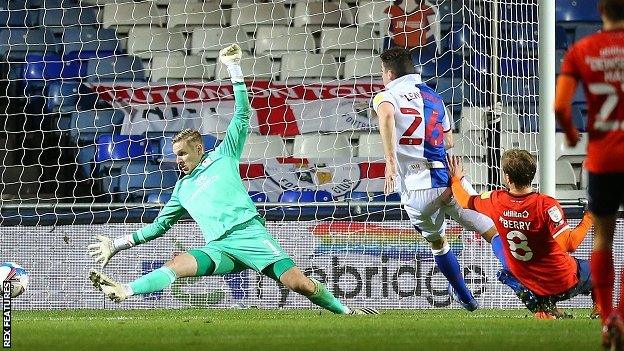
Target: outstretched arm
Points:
x,y
103,250
236,134
570,239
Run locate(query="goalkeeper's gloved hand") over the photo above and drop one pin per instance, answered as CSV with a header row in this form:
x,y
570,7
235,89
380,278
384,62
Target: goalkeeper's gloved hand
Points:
x,y
105,248
231,57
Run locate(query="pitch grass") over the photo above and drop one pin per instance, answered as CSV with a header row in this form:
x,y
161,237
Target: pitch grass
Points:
x,y
233,330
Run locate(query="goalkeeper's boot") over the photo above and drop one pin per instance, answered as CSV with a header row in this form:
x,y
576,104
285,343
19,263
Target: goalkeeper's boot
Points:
x,y
114,290
470,306
363,310
612,332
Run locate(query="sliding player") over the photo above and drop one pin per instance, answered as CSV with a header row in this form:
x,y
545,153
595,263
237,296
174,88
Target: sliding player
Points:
x,y
598,62
213,194
536,236
416,131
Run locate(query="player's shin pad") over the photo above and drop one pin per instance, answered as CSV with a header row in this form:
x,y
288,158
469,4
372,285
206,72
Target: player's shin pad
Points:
x,y
156,280
323,298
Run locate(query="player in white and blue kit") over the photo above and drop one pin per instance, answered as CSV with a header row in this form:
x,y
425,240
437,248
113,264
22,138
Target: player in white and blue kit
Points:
x,y
415,128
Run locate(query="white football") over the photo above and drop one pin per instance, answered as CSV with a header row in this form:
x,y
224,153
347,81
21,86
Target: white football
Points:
x,y
15,274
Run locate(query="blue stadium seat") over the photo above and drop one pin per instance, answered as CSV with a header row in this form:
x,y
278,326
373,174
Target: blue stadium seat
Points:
x,y
519,89
158,196
518,12
579,95
15,43
518,66
444,65
300,196
10,16
519,38
76,62
579,116
121,67
459,37
561,38
559,54
114,147
165,142
577,11
40,70
62,96
257,196
59,19
450,89
137,178
87,125
82,39
583,30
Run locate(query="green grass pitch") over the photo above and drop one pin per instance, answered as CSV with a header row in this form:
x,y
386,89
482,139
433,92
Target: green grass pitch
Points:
x,y
253,329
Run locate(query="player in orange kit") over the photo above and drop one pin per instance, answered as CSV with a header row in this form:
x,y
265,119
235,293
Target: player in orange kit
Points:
x,y
535,234
598,62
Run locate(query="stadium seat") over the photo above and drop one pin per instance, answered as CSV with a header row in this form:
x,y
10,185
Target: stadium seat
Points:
x,y
574,155
208,41
251,15
126,15
579,116
178,66
261,147
520,11
362,65
304,65
561,38
371,146
158,196
165,146
450,89
40,68
145,42
17,17
579,95
372,12
86,126
564,194
565,178
450,11
113,147
278,40
526,141
519,38
118,68
257,196
15,43
577,11
559,55
519,89
509,119
68,96
137,178
76,62
187,14
341,42
59,19
77,40
258,67
472,118
299,196
445,65
469,145
583,30
323,146
460,35
518,66
315,15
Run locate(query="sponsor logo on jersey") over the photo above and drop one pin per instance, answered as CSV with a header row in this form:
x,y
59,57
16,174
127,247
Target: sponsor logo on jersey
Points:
x,y
515,214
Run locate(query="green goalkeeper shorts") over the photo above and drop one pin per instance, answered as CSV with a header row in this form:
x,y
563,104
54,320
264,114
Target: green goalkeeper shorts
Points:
x,y
249,245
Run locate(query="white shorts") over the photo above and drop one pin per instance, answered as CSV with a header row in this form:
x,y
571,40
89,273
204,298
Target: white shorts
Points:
x,y
427,208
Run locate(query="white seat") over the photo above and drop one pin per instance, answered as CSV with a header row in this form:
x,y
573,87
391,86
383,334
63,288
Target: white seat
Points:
x,y
252,15
315,15
345,41
278,40
371,146
126,15
305,65
261,147
253,67
524,141
563,194
469,144
564,176
331,146
361,65
574,155
477,174
177,66
472,118
509,119
146,42
372,12
188,14
208,41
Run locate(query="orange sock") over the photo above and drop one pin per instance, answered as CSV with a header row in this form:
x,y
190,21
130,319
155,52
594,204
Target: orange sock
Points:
x,y
603,276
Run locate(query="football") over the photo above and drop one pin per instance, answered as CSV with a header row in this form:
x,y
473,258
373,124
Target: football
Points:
x,y
16,274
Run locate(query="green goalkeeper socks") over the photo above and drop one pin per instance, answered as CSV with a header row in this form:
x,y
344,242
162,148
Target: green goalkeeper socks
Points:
x,y
322,297
154,281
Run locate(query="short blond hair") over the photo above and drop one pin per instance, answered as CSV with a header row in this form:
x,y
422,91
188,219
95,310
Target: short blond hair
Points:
x,y
188,135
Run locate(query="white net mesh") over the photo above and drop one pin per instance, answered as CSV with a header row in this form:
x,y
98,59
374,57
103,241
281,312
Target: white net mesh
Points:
x,y
93,92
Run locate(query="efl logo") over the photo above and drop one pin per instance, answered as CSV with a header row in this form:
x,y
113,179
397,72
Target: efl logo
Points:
x,y
6,314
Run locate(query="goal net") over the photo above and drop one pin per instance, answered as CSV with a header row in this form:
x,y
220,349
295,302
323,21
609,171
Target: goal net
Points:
x,y
94,90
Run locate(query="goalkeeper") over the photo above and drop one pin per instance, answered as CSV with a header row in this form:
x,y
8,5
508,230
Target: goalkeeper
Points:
x,y
212,193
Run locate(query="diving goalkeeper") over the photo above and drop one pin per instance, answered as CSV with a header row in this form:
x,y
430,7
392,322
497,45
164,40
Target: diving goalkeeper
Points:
x,y
212,193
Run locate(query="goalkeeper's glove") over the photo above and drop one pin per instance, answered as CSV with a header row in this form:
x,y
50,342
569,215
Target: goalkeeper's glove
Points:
x,y
105,248
231,57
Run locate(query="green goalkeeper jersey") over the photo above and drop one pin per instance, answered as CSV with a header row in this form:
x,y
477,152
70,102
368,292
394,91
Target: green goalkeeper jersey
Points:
x,y
213,194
